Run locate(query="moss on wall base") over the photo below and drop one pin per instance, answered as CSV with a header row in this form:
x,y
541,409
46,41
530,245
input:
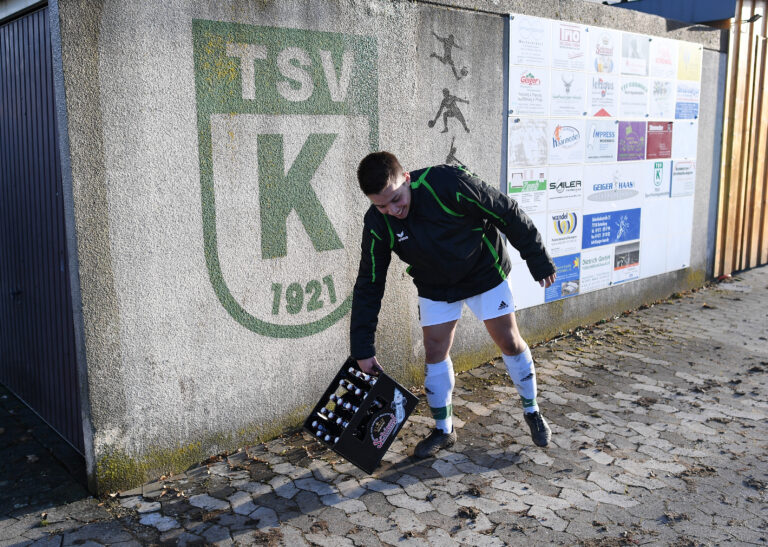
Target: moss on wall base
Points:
x,y
117,470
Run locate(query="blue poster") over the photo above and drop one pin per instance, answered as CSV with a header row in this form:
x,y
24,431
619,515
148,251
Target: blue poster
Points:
x,y
610,227
567,282
686,111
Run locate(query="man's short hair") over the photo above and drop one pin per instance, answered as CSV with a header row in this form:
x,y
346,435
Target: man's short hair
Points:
x,y
376,170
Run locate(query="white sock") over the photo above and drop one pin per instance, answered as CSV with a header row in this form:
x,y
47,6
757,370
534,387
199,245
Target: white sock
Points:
x,y
438,385
520,369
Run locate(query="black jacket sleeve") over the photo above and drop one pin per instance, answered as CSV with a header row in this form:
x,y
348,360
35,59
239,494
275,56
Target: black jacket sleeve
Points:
x,y
375,255
476,198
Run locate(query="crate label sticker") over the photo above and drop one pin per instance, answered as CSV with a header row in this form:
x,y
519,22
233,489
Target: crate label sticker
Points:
x,y
398,404
382,427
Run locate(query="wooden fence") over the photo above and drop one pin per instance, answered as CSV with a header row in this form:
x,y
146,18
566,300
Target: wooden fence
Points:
x,y
742,222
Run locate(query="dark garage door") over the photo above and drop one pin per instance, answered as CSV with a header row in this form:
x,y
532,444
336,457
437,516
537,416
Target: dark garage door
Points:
x,y
37,354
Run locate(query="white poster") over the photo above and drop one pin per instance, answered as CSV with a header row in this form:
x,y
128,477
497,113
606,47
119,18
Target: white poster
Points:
x,y
529,91
528,142
680,233
656,178
661,100
563,232
613,187
604,50
684,137
633,98
569,46
602,140
528,187
683,178
528,40
566,141
568,94
603,95
634,54
596,268
663,58
626,262
564,187
525,291
654,234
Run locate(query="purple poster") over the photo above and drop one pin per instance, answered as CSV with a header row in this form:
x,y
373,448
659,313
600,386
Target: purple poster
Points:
x,y
631,141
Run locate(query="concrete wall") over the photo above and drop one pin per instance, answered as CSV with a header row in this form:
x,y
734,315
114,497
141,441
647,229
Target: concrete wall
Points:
x,y
215,285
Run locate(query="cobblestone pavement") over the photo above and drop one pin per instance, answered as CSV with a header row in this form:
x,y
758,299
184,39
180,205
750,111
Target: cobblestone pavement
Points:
x,y
659,437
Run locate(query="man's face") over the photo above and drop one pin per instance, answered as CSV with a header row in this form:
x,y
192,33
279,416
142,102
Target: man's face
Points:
x,y
395,199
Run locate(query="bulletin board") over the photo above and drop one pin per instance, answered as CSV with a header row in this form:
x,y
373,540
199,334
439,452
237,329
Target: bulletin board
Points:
x,y
601,152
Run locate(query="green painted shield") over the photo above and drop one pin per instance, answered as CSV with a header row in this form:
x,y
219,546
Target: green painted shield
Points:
x,y
277,110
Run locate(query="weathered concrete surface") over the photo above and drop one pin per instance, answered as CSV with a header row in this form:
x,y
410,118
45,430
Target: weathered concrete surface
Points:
x,y
177,281
660,437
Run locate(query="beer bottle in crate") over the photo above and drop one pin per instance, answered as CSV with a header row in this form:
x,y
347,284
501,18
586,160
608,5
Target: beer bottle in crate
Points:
x,y
354,394
366,381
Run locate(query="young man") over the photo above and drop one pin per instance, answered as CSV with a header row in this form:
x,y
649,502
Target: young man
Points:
x,y
446,224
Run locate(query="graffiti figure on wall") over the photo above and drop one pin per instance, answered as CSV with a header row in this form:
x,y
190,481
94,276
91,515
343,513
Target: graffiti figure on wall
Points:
x,y
449,108
451,157
447,57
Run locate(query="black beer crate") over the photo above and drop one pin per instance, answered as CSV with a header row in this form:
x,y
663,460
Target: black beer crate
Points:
x,y
372,421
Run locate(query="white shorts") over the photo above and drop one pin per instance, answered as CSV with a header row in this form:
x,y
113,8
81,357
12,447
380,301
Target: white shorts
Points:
x,y
492,303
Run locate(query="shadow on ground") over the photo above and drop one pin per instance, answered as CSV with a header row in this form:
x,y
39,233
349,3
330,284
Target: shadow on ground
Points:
x,y
32,479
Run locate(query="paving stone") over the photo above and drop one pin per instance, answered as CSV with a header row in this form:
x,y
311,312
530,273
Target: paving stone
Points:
x,y
634,480
407,502
656,453
482,504
507,500
208,503
350,488
315,486
368,520
218,535
480,524
265,517
577,499
413,487
291,470
365,537
470,537
537,500
539,458
547,518
406,521
447,469
345,504
471,468
283,487
606,482
101,532
328,541
234,522
440,537
480,410
292,536
242,503
255,488
156,520
613,499
597,455
48,541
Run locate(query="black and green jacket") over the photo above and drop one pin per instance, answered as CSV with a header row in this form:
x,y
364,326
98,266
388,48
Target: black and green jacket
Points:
x,y
451,240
